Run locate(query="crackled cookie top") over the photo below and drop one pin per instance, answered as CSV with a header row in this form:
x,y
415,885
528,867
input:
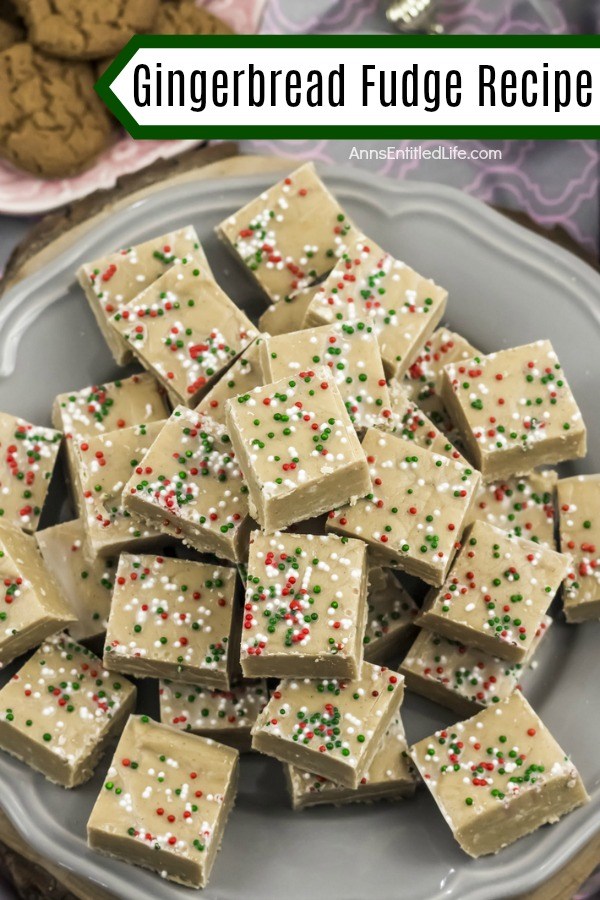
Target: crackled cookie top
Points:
x,y
350,352
204,711
423,378
27,459
410,422
368,285
579,510
523,507
391,610
184,329
290,235
243,376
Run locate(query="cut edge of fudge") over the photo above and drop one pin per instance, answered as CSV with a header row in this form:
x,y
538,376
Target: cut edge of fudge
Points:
x,y
580,605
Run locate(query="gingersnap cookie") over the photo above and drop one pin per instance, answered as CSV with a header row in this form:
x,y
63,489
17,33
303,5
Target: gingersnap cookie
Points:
x,y
184,17
52,123
85,29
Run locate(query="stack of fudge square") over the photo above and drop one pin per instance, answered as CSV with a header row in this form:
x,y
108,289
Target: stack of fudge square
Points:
x,y
247,510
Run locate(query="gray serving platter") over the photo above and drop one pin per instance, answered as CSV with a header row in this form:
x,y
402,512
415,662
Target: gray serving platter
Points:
x,y
507,286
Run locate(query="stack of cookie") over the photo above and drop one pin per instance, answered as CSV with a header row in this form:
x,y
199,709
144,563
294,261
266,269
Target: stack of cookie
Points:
x,y
52,123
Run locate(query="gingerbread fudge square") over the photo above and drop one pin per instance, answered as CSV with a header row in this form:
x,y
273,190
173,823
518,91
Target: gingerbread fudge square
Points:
x,y
106,463
180,789
107,407
61,710
391,616
290,235
408,421
330,727
185,330
579,511
306,606
297,448
423,379
498,776
523,507
350,352
462,678
190,486
27,458
173,618
225,716
391,776
114,280
244,375
496,593
415,514
86,582
33,606
368,285
514,410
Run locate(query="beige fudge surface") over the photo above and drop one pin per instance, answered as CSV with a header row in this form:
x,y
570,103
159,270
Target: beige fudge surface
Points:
x,y
85,582
305,607
496,593
462,678
191,486
281,318
579,511
498,776
391,776
106,407
415,514
391,614
368,285
521,506
226,716
330,727
244,375
290,235
114,280
61,709
165,801
410,422
27,459
32,607
351,353
106,462
423,379
172,618
185,330
297,448
514,410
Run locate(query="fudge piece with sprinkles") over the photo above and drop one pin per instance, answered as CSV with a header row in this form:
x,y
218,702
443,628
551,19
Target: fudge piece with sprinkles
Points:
x,y
330,727
306,606
225,716
462,678
173,618
391,776
521,506
165,801
514,410
297,448
244,375
114,280
579,512
27,458
290,235
86,582
106,462
390,617
368,285
411,423
185,330
32,607
59,712
423,379
191,487
106,407
350,352
498,776
496,593
415,514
